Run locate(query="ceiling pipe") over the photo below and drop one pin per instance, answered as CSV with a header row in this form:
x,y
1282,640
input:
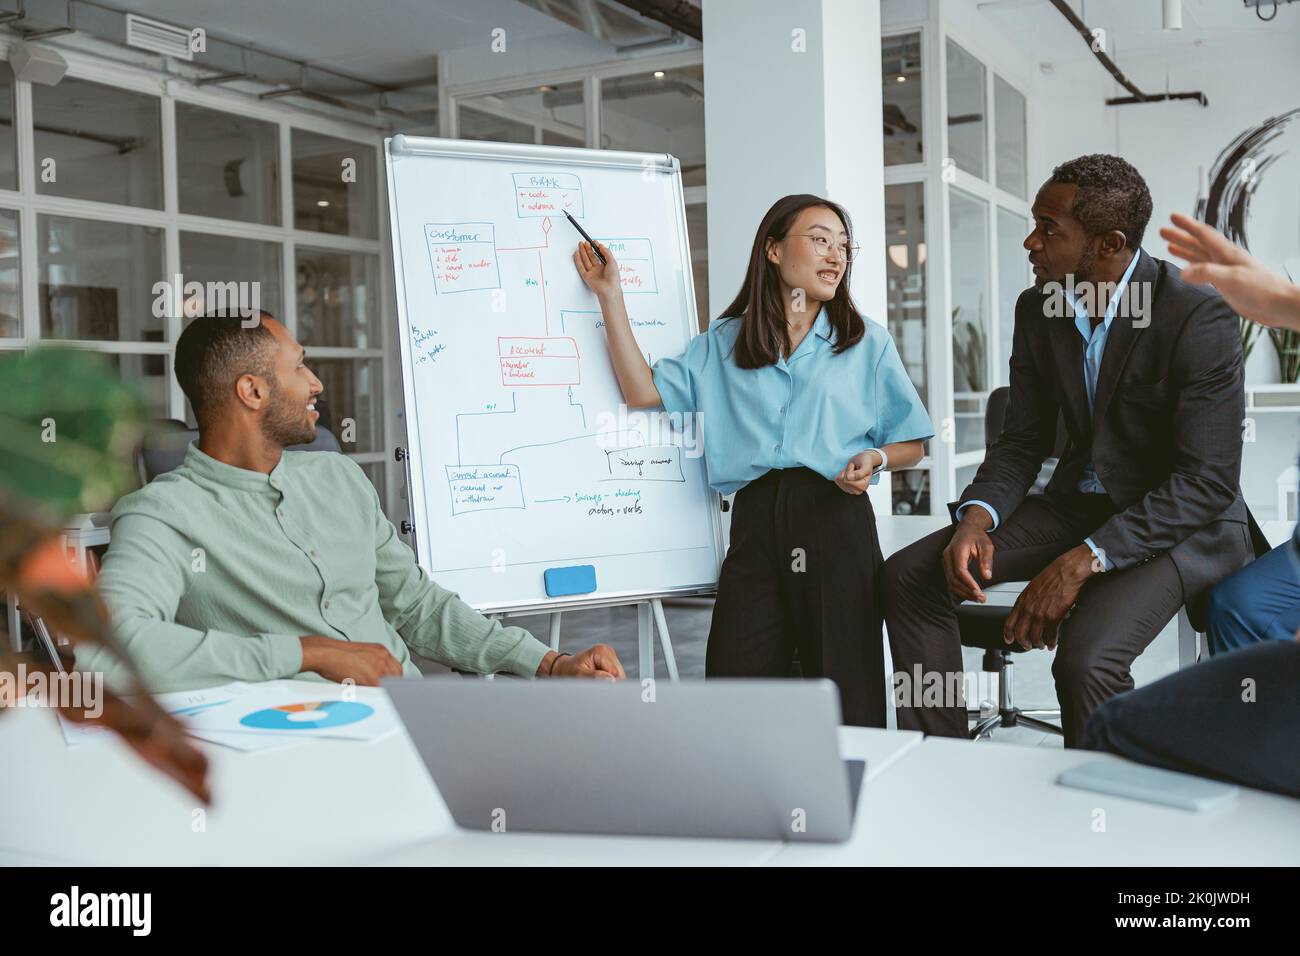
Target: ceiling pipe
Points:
x,y
275,77
681,15
1156,98
1113,69
221,78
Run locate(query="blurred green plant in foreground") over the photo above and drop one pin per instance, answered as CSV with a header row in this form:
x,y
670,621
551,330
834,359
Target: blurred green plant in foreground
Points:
x,y
68,430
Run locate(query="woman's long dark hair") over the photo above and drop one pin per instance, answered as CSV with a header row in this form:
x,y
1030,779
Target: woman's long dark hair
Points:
x,y
763,336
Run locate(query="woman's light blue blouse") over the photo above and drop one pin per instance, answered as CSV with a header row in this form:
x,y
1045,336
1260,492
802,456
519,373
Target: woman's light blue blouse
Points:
x,y
816,409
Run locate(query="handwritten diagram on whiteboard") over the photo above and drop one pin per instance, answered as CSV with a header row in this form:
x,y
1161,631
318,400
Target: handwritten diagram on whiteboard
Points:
x,y
523,457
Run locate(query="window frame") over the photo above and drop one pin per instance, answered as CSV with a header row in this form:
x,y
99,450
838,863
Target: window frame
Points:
x,y
943,462
29,204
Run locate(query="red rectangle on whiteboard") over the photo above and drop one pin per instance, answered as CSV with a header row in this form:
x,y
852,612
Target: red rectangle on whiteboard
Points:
x,y
540,360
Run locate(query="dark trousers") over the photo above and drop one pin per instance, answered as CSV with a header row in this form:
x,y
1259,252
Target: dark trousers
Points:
x,y
1234,717
799,579
1117,615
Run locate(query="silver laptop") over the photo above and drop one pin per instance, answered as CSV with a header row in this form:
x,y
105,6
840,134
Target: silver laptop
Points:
x,y
755,759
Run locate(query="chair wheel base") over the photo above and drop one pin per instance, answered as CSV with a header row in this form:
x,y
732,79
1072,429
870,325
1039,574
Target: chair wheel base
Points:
x,y
1014,717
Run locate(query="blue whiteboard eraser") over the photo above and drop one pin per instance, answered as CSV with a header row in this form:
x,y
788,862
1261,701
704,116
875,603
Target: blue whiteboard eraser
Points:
x,y
578,579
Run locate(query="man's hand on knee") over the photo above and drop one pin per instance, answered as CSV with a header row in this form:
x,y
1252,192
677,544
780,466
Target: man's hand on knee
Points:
x,y
1046,600
970,542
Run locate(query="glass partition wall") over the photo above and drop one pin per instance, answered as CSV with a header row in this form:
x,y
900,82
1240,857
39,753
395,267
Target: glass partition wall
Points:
x,y
956,213
116,180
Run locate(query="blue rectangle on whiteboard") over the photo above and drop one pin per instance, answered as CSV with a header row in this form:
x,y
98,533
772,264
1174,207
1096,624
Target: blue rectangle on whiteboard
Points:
x,y
578,579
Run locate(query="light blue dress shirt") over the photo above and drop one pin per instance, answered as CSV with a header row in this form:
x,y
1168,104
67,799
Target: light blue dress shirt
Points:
x,y
1094,339
815,409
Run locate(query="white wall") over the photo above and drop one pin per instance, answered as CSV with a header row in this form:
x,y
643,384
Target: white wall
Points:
x,y
1173,143
779,121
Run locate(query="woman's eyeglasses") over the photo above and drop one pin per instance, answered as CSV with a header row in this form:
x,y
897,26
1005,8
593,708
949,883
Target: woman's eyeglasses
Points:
x,y
848,251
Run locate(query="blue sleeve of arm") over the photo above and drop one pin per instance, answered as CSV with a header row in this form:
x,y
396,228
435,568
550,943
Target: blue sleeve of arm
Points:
x,y
900,416
676,378
1106,562
993,512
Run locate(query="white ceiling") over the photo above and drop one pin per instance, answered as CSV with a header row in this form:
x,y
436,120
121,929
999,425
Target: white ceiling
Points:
x,y
389,42
1134,26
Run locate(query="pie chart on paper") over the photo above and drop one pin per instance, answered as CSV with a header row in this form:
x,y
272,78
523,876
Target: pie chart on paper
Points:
x,y
313,715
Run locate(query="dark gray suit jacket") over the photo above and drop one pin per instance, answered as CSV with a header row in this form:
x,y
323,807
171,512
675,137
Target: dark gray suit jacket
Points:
x,y
1165,434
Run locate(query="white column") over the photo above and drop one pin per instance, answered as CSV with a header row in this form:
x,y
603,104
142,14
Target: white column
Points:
x,y
792,104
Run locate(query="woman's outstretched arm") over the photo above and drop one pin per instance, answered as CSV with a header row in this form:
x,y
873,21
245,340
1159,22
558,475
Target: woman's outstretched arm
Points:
x,y
635,378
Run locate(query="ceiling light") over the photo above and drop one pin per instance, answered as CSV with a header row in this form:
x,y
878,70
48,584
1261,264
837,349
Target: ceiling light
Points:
x,y
37,64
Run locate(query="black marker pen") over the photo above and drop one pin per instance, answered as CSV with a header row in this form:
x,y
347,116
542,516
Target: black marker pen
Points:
x,y
585,236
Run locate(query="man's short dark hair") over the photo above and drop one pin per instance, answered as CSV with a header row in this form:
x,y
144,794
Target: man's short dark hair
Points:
x,y
1111,195
213,351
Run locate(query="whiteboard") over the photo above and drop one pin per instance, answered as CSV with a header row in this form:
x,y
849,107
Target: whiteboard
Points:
x,y
522,456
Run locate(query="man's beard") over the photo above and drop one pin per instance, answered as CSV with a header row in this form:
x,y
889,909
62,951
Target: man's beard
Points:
x,y
1082,272
1083,268
283,424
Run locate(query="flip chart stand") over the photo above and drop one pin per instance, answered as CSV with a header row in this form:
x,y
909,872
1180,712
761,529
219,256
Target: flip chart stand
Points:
x,y
508,439
649,619
408,524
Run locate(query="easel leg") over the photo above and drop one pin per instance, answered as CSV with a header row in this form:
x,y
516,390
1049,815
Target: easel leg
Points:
x,y
645,641
15,624
670,659
555,630
500,619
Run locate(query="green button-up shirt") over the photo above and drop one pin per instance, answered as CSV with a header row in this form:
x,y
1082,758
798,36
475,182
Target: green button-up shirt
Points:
x,y
215,572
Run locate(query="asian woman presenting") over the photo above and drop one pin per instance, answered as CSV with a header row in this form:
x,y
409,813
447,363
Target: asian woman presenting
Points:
x,y
802,402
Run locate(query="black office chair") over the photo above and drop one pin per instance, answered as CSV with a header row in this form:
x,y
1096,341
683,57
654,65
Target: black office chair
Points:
x,y
981,624
168,439
163,448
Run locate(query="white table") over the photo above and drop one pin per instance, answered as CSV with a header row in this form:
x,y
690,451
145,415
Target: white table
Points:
x,y
931,801
957,803
322,802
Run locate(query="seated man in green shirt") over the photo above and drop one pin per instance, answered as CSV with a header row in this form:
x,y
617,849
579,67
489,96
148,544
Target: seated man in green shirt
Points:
x,y
249,562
